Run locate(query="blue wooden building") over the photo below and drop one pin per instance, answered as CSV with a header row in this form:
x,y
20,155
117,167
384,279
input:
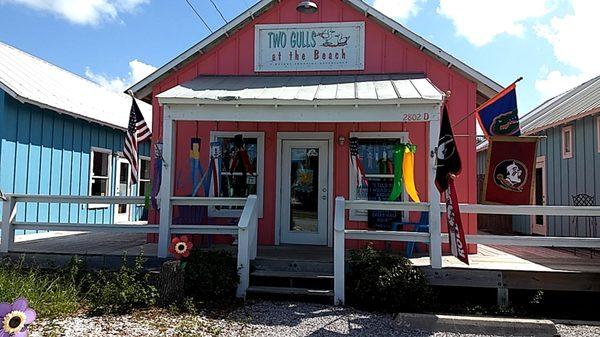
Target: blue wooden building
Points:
x,y
567,163
63,135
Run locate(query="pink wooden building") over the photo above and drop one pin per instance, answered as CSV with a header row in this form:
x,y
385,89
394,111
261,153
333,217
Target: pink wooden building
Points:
x,y
297,87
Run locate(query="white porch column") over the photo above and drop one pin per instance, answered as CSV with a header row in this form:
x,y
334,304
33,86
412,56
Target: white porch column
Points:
x,y
339,260
435,227
166,190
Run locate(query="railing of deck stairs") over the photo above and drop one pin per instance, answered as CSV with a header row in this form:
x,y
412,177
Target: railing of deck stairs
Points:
x,y
246,230
435,237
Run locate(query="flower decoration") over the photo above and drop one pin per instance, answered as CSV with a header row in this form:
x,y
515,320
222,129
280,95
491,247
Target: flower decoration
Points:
x,y
15,318
180,247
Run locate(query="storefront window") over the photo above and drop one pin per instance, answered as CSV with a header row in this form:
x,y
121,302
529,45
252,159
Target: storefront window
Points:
x,y
376,154
240,177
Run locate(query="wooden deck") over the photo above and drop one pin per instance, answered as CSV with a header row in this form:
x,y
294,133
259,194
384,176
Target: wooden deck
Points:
x,y
492,267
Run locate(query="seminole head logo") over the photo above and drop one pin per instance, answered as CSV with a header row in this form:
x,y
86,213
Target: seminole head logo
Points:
x,y
511,175
506,124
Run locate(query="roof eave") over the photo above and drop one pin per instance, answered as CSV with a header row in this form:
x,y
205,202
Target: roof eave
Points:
x,y
296,102
26,100
485,85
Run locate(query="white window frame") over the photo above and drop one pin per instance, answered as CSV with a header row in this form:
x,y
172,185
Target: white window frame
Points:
x,y
140,180
598,133
260,170
94,149
404,138
567,154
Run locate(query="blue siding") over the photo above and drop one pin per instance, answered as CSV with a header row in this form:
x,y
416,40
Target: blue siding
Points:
x,y
43,152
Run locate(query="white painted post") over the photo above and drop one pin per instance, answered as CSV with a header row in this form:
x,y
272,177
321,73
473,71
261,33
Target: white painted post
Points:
x,y
247,228
166,190
243,261
8,233
435,226
338,251
254,233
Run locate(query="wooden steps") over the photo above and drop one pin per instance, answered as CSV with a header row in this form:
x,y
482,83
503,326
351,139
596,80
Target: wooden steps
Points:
x,y
291,278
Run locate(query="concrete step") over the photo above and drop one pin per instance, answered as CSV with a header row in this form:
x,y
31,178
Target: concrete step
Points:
x,y
289,291
292,274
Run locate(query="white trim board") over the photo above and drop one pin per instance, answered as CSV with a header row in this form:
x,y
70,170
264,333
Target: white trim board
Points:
x,y
303,113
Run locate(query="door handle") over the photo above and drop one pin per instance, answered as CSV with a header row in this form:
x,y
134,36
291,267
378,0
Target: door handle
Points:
x,y
324,197
324,189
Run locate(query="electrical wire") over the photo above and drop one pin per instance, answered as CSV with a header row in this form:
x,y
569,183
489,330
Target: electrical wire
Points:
x,y
218,10
198,15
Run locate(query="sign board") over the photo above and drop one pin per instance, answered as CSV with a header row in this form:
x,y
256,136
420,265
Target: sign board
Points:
x,y
379,190
309,47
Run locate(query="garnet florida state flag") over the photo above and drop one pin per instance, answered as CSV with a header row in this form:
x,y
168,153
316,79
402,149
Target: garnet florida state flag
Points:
x,y
510,170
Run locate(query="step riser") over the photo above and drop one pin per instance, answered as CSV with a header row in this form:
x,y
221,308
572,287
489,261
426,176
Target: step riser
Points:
x,y
293,266
321,284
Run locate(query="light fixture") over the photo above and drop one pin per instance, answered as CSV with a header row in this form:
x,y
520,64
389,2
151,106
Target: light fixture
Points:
x,y
341,140
307,7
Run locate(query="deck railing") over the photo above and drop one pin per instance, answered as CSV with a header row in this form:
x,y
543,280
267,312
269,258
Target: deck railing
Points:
x,y
246,229
435,237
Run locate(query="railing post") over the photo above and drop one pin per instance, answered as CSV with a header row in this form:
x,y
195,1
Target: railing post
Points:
x,y
254,232
8,232
338,251
435,227
243,261
247,228
166,190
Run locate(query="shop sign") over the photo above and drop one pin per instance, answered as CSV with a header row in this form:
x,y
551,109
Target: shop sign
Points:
x,y
309,47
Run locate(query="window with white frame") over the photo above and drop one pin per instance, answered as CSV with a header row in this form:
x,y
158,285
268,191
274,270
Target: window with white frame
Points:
x,y
376,153
100,168
235,181
567,142
144,176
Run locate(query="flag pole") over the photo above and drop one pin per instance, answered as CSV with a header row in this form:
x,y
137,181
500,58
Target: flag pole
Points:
x,y
474,111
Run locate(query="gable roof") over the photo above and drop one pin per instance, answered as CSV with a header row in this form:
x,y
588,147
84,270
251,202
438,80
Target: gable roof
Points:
x,y
31,80
485,85
573,104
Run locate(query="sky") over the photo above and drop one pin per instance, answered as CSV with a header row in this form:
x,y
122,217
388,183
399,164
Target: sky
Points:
x,y
118,42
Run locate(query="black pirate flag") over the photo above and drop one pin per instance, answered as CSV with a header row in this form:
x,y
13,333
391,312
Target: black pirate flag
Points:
x,y
448,160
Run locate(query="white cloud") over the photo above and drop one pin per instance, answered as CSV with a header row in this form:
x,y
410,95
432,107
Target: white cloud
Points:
x,y
398,9
574,41
555,83
137,71
82,12
482,20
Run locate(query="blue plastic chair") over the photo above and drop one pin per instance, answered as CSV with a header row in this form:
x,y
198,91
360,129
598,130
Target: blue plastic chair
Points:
x,y
421,226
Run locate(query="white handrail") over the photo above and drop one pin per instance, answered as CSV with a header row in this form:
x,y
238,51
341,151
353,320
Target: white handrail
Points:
x,y
247,226
529,210
75,199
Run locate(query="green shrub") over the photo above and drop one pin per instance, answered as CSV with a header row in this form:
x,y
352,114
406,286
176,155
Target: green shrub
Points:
x,y
109,292
381,281
211,276
50,293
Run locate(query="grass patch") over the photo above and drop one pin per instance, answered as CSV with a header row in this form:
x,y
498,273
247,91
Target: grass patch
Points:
x,y
50,293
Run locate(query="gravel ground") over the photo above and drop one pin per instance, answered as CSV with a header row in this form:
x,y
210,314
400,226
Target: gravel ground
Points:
x,y
262,318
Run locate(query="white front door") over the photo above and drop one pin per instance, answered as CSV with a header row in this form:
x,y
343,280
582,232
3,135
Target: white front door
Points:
x,y
122,189
304,192
539,222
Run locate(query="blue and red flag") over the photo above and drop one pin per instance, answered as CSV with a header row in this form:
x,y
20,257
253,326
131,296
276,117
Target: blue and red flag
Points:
x,y
499,116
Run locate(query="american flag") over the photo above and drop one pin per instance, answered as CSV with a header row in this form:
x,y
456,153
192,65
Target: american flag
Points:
x,y
137,132
357,164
